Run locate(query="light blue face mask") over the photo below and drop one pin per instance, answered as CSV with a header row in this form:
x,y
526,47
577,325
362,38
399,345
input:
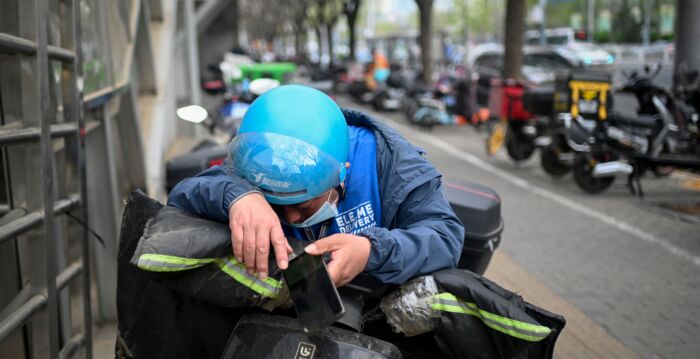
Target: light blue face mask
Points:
x,y
326,211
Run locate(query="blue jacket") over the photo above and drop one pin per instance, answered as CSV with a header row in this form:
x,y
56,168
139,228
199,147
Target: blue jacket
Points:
x,y
420,232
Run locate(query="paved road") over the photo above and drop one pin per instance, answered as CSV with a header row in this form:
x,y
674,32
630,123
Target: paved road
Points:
x,y
631,265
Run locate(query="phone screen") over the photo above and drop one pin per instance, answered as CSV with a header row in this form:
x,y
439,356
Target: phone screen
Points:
x,y
315,297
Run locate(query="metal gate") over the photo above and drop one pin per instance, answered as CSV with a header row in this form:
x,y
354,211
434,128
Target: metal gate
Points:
x,y
43,184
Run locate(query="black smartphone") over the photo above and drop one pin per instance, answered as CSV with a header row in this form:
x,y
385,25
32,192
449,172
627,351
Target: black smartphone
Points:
x,y
315,297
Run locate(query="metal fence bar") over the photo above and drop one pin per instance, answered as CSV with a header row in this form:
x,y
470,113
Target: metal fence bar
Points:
x,y
47,156
17,317
25,223
17,301
20,226
12,136
67,204
68,274
72,346
16,45
77,106
21,315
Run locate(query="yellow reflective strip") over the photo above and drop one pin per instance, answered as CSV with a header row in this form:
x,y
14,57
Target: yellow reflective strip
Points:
x,y
493,321
535,329
155,268
165,263
266,288
513,333
452,308
446,295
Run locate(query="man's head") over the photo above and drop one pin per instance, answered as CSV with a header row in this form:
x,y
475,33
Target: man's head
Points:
x,y
293,145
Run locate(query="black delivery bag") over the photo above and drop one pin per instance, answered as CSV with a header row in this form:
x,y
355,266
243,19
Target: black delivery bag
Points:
x,y
484,334
479,209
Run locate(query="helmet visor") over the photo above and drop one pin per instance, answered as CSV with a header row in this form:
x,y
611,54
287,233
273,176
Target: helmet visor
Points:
x,y
287,170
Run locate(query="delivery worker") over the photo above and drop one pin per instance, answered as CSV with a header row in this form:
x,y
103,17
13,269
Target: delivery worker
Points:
x,y
351,186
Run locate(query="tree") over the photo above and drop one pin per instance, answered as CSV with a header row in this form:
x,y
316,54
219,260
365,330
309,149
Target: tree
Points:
x,y
331,13
314,19
262,19
513,57
236,16
425,9
350,10
299,14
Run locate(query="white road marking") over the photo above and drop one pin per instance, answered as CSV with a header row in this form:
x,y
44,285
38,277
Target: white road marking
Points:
x,y
561,200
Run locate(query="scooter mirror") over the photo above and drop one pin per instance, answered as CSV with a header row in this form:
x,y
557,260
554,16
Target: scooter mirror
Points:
x,y
259,86
230,71
192,113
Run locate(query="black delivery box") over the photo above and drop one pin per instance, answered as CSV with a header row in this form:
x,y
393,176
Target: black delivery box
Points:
x,y
479,209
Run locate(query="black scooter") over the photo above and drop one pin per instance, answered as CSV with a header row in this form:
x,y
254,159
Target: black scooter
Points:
x,y
278,334
664,134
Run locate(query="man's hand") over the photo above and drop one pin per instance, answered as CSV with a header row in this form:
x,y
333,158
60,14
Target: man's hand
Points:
x,y
349,255
254,226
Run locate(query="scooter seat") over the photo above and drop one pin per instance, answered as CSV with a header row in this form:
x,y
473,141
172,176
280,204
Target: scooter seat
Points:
x,y
645,121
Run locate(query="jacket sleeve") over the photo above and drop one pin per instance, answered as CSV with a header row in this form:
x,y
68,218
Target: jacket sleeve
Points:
x,y
210,193
427,236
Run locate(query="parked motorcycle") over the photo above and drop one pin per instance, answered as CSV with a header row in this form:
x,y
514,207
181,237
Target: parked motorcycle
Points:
x,y
663,134
428,107
191,313
556,156
516,129
222,126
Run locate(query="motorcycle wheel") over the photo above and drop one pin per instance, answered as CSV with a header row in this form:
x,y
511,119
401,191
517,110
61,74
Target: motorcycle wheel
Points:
x,y
410,107
518,148
583,175
549,159
378,102
428,122
662,171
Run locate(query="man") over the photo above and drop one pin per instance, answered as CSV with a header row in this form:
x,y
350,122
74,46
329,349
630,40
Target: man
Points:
x,y
300,167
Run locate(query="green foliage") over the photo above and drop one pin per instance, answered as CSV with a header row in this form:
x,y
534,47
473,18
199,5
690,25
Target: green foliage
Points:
x,y
478,17
668,37
601,37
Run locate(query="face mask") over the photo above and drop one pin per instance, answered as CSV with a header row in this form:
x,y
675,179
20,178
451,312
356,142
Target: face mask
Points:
x,y
326,211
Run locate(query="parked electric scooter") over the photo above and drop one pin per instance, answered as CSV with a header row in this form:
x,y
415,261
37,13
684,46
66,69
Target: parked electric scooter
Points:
x,y
191,309
516,128
556,156
664,133
222,127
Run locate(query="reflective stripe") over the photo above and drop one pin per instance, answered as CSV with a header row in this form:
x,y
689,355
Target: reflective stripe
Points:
x,y
164,263
267,287
449,303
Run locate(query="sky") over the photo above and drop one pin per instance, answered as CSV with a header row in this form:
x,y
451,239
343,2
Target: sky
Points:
x,y
400,10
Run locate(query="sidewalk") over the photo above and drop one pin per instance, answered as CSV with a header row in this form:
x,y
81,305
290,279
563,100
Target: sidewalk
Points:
x,y
581,337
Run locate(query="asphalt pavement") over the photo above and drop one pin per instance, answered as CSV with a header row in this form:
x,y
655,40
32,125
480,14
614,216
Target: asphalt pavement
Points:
x,y
631,265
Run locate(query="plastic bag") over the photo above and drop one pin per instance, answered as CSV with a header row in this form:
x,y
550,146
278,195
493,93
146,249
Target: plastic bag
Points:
x,y
408,308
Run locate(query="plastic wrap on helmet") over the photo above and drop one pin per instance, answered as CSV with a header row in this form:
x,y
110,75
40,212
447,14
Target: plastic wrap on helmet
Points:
x,y
287,170
408,309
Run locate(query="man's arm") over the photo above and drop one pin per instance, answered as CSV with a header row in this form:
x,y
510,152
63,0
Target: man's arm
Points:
x,y
210,193
427,236
254,225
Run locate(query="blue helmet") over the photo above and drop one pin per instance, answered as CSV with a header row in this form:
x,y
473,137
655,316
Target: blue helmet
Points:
x,y
292,144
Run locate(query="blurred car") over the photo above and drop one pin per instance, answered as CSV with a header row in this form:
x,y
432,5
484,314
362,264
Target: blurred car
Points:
x,y
571,44
585,54
540,64
540,67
